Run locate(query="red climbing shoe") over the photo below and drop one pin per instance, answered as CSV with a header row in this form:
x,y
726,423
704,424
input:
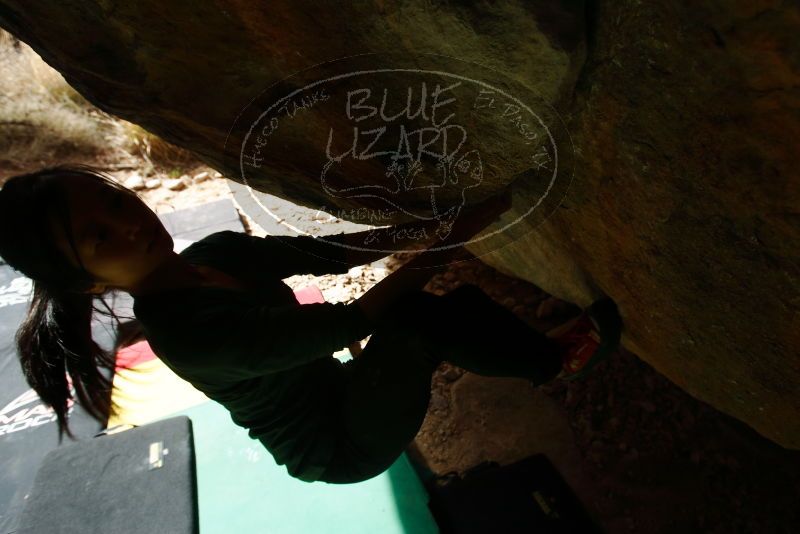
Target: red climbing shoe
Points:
x,y
587,339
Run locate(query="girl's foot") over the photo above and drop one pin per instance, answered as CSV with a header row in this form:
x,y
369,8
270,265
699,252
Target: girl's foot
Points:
x,y
588,339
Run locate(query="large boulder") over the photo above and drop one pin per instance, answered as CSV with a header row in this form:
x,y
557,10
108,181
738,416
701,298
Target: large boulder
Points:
x,y
679,144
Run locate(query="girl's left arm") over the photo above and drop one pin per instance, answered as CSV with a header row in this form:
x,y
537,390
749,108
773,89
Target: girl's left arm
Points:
x,y
284,256
371,245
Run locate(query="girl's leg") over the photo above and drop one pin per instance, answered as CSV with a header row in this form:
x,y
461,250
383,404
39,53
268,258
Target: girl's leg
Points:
x,y
481,336
384,400
387,390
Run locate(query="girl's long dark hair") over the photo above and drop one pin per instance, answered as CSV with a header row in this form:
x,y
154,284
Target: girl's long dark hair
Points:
x,y
54,342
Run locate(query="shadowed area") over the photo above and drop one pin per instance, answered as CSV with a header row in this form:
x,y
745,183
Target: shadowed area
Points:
x,y
678,123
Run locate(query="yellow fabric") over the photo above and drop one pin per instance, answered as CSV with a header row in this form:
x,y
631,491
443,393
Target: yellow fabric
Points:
x,y
148,391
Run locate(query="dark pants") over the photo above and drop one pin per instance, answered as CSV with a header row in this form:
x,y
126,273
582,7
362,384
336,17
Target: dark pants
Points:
x,y
388,387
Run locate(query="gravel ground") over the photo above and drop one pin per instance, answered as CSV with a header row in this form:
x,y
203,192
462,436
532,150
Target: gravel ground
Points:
x,y
653,459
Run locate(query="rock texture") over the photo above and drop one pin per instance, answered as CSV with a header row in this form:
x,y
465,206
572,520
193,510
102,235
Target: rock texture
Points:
x,y
684,201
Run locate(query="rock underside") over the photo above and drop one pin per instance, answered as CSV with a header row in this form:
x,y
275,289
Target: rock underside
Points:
x,y
668,132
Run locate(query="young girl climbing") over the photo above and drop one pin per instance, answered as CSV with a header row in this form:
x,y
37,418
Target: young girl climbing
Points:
x,y
219,316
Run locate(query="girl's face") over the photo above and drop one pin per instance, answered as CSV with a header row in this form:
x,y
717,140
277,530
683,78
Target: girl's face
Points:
x,y
118,238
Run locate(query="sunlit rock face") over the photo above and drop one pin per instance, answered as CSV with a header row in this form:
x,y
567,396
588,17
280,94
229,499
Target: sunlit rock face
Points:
x,y
668,133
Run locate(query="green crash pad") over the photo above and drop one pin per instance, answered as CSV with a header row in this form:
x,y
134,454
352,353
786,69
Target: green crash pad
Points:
x,y
242,489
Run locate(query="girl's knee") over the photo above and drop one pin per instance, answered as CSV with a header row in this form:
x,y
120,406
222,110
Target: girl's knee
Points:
x,y
467,291
404,342
410,307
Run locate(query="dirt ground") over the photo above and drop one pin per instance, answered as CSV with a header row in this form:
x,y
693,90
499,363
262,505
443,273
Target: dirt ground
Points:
x,y
640,454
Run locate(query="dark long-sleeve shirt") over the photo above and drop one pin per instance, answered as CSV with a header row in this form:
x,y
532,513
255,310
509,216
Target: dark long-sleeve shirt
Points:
x,y
260,354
